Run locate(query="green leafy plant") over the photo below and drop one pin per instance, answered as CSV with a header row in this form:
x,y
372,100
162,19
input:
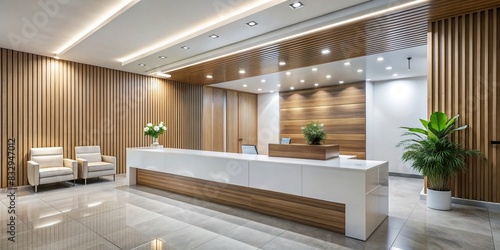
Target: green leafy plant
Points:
x,y
433,154
314,133
154,130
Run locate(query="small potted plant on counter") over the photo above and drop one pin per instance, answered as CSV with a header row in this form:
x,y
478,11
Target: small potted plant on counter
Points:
x,y
154,131
433,154
314,133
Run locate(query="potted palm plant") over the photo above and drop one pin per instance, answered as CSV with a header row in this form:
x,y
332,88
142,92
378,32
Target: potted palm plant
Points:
x,y
433,154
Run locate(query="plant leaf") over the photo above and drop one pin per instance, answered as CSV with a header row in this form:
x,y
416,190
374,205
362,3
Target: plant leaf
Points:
x,y
438,122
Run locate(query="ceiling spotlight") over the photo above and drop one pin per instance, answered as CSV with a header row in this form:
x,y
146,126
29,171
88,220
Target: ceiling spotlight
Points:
x,y
213,36
292,88
288,73
380,59
244,86
395,74
328,76
271,91
347,63
282,63
210,76
278,85
162,57
263,80
388,68
252,23
359,70
296,5
340,82
325,51
368,79
142,64
302,81
314,69
259,89
316,84
185,47
242,71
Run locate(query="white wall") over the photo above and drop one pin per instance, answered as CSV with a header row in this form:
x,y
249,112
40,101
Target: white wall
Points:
x,y
268,124
396,103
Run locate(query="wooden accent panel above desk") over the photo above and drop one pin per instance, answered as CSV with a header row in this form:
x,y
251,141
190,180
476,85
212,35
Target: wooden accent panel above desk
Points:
x,y
303,151
341,108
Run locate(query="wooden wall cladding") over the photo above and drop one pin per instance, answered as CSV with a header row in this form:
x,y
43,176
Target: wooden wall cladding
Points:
x,y
318,213
48,102
341,109
463,78
229,119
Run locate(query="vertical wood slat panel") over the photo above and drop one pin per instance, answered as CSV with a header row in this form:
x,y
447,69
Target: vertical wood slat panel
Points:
x,y
47,102
341,108
463,79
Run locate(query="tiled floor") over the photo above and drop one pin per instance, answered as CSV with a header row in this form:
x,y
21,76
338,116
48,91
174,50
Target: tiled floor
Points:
x,y
110,215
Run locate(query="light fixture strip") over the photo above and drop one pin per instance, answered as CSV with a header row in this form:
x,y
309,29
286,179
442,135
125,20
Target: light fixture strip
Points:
x,y
96,26
354,19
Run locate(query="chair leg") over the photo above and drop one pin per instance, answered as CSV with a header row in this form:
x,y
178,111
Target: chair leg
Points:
x,y
36,189
85,181
114,177
74,183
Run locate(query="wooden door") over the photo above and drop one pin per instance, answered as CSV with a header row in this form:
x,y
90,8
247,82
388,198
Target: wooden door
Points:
x,y
247,122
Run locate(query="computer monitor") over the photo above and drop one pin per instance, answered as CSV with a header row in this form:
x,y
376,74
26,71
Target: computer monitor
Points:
x,y
249,149
286,140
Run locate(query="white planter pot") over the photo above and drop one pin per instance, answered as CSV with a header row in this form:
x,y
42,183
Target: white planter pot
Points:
x,y
439,200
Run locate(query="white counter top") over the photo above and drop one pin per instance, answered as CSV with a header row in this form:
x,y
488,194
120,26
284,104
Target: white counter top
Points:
x,y
344,162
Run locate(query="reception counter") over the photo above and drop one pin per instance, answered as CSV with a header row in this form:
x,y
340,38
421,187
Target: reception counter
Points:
x,y
344,195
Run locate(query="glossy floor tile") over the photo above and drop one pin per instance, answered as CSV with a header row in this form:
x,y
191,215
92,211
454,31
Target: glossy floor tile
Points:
x,y
110,215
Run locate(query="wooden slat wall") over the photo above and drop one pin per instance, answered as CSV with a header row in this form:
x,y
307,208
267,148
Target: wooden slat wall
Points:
x,y
47,102
214,108
318,213
463,79
341,109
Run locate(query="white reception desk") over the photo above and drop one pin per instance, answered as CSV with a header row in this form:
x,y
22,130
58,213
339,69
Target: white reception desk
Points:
x,y
359,184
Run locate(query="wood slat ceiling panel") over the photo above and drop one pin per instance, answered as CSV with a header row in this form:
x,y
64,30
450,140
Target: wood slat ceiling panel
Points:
x,y
399,30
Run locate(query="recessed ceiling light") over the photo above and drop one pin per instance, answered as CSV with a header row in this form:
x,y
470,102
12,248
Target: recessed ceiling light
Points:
x,y
244,86
325,51
347,63
162,74
292,88
380,59
185,47
296,5
210,76
252,23
279,85
359,70
242,71
316,84
341,82
282,63
259,89
314,69
56,57
302,81
388,68
288,73
213,36
328,76
395,74
368,79
271,91
263,80
142,64
162,57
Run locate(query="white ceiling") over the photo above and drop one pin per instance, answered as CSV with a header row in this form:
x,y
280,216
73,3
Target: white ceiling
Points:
x,y
121,34
373,70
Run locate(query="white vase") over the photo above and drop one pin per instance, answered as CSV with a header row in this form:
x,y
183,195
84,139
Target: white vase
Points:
x,y
439,200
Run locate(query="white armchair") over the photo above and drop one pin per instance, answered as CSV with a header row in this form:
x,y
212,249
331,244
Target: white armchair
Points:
x,y
47,165
92,164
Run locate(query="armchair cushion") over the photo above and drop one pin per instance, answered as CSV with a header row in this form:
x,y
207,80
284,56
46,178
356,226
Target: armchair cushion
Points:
x,y
47,161
55,171
100,166
89,153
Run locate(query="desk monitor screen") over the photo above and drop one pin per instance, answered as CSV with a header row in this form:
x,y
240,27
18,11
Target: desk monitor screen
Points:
x,y
286,140
249,149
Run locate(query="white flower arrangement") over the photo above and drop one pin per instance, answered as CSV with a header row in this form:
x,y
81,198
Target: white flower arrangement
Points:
x,y
154,130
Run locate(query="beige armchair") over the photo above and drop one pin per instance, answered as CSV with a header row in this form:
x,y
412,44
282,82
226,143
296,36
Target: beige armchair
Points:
x,y
47,165
92,164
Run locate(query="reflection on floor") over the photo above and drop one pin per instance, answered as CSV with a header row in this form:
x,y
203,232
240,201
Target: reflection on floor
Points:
x,y
109,215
